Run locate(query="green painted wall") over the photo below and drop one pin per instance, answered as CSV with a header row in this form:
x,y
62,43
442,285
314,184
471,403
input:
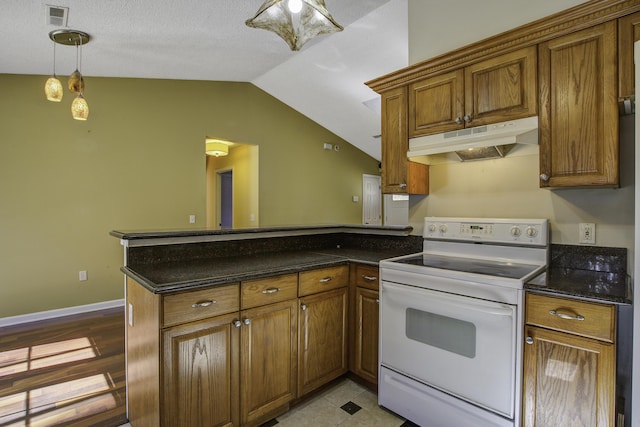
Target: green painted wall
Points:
x,y
139,163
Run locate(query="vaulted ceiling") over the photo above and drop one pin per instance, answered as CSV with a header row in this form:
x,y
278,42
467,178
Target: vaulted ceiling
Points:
x,y
208,40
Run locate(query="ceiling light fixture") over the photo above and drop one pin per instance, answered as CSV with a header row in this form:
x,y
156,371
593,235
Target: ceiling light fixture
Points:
x,y
216,147
296,28
79,106
53,87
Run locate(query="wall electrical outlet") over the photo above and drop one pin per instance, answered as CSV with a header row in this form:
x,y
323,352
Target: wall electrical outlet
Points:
x,y
587,233
82,275
192,219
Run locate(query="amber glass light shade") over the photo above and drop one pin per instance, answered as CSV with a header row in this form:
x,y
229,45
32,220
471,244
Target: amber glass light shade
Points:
x,y
80,108
53,89
76,82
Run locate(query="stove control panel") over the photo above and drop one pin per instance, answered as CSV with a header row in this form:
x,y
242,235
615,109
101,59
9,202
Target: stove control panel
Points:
x,y
490,230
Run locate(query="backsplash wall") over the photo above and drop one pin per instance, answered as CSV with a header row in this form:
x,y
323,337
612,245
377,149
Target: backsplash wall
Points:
x,y
509,187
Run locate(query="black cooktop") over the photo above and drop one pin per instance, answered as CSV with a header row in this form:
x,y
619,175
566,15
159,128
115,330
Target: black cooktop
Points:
x,y
495,268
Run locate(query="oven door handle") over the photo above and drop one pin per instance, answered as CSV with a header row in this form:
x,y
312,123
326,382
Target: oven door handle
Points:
x,y
437,299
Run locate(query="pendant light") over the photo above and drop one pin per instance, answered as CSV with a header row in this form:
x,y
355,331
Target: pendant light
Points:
x,y
53,87
311,16
79,106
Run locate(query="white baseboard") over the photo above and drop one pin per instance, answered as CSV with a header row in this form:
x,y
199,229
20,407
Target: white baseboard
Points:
x,y
51,314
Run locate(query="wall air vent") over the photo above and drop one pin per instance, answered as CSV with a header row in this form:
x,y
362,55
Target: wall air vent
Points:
x,y
57,15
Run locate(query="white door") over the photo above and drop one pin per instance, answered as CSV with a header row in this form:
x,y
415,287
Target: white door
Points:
x,y
371,200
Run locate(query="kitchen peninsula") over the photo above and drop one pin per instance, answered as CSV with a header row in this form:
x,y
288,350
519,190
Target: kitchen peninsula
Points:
x,y
230,326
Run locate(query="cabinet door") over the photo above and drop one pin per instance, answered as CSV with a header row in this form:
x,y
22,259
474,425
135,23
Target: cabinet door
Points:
x,y
323,339
628,33
268,357
366,334
201,373
568,380
395,142
501,88
579,109
436,104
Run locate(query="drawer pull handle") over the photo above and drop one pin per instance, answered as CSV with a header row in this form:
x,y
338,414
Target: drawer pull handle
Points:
x,y
565,316
325,280
369,278
203,303
270,291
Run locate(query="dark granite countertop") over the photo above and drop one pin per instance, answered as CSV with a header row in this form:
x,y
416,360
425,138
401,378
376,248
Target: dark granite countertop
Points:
x,y
584,284
586,272
172,276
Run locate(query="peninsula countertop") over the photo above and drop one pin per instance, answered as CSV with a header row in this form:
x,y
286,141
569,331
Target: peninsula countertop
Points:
x,y
181,275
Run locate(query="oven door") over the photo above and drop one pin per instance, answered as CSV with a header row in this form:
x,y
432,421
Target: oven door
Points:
x,y
461,345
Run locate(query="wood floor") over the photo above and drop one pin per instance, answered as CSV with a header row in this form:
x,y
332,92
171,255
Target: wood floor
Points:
x,y
64,372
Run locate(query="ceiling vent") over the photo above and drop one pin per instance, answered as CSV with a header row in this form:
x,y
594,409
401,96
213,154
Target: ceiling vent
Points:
x,y
57,15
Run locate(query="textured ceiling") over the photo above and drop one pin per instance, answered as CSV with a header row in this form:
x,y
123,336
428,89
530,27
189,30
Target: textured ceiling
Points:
x,y
208,40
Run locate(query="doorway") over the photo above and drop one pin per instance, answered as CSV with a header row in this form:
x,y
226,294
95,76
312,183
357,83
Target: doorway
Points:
x,y
371,200
225,201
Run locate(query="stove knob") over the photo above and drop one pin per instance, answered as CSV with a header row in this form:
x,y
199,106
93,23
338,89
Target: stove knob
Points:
x,y
432,228
532,232
515,231
443,228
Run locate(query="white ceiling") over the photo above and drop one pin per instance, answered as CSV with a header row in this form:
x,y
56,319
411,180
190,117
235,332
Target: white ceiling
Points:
x,y
208,40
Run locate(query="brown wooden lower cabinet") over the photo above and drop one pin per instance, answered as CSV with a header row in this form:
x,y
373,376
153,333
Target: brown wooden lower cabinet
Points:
x,y
233,355
569,363
201,373
323,338
366,334
268,355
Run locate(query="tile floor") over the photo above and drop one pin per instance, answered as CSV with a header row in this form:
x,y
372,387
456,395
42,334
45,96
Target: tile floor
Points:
x,y
346,404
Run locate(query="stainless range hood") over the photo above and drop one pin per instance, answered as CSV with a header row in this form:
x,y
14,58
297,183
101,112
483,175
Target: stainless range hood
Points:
x,y
476,143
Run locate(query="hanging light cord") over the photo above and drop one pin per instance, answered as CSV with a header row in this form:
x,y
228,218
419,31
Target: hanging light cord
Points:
x,y
54,58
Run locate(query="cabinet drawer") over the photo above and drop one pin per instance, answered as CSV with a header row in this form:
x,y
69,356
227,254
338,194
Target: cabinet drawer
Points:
x,y
201,304
254,293
323,279
584,318
367,276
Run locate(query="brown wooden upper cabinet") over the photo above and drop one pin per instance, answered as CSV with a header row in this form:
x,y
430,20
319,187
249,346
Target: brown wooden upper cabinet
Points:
x,y
579,109
628,33
490,91
399,175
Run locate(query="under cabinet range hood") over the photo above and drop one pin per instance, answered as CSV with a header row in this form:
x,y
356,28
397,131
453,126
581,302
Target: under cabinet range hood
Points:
x,y
476,143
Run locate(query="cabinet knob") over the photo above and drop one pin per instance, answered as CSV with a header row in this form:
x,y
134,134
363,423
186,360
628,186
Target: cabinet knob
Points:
x,y
458,120
529,340
246,321
237,323
377,301
303,307
403,186
544,177
467,118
